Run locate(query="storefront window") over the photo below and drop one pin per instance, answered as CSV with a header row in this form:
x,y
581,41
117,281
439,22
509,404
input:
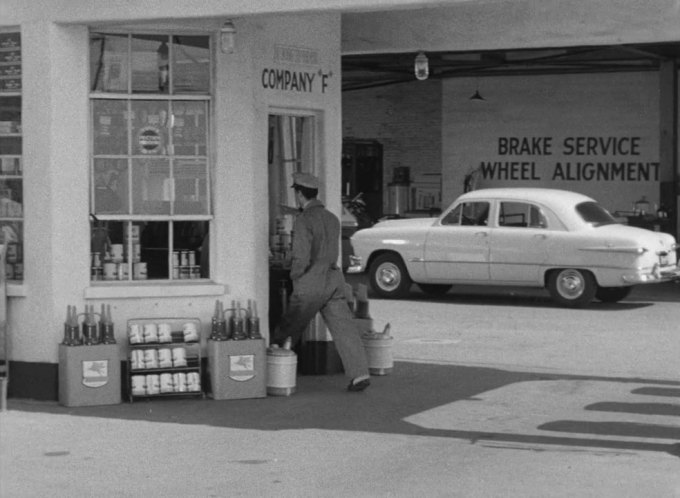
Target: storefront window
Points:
x,y
150,106
11,169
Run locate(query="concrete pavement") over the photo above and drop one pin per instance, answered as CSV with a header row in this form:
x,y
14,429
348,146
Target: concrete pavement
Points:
x,y
428,429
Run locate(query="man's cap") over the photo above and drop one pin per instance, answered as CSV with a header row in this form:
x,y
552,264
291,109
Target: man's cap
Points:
x,y
305,180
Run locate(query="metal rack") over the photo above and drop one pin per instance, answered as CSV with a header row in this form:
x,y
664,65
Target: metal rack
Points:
x,y
190,366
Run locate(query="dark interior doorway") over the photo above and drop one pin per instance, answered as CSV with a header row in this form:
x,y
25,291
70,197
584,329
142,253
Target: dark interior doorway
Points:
x,y
362,173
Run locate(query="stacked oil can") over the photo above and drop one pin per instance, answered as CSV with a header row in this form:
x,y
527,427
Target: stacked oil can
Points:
x,y
184,265
119,259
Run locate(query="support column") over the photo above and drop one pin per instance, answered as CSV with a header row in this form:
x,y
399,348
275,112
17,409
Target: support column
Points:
x,y
668,141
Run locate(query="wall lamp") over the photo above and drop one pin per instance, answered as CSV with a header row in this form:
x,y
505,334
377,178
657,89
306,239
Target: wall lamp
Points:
x,y
228,37
421,67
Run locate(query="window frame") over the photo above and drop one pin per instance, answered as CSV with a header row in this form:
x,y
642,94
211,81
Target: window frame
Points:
x,y
14,255
129,97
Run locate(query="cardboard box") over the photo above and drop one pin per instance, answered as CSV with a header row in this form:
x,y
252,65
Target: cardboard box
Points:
x,y
236,369
89,375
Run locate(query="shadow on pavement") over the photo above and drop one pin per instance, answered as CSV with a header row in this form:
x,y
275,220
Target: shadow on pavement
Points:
x,y
321,402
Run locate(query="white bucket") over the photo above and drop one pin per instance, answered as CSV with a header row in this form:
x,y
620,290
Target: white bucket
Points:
x,y
379,354
281,371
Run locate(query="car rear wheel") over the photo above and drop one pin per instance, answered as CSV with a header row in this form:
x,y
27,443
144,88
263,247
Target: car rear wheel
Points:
x,y
572,287
612,294
388,277
435,289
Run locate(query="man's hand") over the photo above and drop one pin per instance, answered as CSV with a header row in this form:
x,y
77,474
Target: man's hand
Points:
x,y
288,209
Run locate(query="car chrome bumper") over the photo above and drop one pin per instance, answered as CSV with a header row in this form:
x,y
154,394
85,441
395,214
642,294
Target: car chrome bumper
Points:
x,y
355,265
656,275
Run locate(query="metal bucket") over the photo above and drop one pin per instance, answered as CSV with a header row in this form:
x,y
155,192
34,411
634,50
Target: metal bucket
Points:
x,y
378,354
281,371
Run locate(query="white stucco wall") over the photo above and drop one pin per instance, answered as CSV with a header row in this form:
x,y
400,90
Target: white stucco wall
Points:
x,y
56,164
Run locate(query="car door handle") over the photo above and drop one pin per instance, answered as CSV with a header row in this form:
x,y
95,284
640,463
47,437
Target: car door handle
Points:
x,y
541,236
482,234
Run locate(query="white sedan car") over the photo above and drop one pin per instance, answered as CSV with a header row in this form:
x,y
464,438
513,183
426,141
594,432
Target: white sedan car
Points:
x,y
529,237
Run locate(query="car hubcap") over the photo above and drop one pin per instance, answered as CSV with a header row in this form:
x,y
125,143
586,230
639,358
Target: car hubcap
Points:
x,y
388,277
570,284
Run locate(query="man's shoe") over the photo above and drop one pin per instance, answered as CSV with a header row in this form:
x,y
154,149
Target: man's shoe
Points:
x,y
359,385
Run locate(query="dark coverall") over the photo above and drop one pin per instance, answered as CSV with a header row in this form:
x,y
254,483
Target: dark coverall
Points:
x,y
319,286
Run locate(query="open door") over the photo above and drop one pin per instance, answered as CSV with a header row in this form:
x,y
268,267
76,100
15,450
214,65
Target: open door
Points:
x,y
291,149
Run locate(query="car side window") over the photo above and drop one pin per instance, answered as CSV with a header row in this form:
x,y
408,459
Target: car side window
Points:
x,y
468,214
521,214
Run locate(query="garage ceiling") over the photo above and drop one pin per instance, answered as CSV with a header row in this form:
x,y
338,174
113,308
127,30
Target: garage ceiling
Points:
x,y
375,70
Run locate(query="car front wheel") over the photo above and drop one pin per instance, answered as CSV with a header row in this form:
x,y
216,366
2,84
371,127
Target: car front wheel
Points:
x,y
612,294
388,277
572,287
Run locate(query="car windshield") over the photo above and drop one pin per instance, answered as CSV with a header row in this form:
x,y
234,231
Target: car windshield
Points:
x,y
596,215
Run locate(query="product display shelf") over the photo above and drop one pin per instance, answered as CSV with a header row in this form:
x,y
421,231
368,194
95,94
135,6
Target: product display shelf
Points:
x,y
145,358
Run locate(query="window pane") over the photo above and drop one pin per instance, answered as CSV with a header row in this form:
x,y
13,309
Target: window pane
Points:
x,y
109,63
10,125
150,64
10,114
111,186
12,234
191,64
10,57
453,216
155,248
191,186
116,251
152,190
514,214
190,128
191,241
109,119
592,212
475,213
149,127
10,166
11,198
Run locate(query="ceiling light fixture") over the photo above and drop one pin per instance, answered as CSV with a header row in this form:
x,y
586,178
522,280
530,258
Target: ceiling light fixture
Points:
x,y
421,67
228,37
477,96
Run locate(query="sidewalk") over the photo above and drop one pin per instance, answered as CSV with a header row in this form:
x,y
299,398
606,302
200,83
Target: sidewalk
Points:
x,y
426,429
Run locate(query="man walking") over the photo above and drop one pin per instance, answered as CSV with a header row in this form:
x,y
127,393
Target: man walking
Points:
x,y
318,283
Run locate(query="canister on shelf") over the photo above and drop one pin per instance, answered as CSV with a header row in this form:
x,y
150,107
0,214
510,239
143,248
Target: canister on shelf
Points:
x,y
179,357
166,384
153,384
179,382
150,358
123,269
110,271
140,271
